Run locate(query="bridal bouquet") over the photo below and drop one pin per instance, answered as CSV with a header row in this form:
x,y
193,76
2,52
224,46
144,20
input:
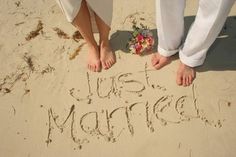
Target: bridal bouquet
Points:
x,y
142,40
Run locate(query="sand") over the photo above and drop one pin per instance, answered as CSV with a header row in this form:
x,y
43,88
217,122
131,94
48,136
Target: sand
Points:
x,y
51,105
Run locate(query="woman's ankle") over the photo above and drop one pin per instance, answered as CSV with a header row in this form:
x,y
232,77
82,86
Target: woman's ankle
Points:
x,y
93,46
104,43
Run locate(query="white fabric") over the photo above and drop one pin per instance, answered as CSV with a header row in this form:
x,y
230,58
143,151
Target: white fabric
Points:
x,y
209,21
103,8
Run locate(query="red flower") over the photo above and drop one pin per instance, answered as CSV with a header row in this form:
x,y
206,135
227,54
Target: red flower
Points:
x,y
150,40
138,48
139,38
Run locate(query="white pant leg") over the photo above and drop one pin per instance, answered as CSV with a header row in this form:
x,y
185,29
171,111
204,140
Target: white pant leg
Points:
x,y
170,25
209,21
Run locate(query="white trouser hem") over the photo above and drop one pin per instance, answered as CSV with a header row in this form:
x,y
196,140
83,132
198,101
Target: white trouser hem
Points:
x,y
189,61
166,53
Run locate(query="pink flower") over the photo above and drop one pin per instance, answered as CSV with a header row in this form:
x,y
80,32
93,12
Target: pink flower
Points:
x,y
142,41
150,40
138,48
149,48
140,38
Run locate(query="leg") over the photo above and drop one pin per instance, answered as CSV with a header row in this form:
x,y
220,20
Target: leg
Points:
x,y
169,37
107,57
208,24
83,23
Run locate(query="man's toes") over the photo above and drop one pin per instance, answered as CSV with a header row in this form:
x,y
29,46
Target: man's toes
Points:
x,y
190,78
179,79
160,64
187,81
157,66
183,81
193,75
154,60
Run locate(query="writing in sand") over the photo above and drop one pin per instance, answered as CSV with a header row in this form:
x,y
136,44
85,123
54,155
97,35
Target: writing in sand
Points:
x,y
122,104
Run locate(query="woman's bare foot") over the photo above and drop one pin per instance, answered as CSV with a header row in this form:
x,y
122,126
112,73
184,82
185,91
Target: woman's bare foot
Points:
x,y
94,63
107,57
185,75
159,61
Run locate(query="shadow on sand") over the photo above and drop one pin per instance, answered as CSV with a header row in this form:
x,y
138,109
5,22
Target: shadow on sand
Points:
x,y
221,56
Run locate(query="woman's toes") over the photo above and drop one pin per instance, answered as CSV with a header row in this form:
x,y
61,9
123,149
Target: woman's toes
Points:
x,y
109,64
91,67
94,68
107,56
99,68
103,64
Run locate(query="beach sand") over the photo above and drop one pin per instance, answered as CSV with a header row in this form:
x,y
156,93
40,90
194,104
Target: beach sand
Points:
x,y
51,105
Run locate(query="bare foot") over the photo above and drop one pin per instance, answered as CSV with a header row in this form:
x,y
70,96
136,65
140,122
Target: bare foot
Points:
x,y
94,63
107,57
159,61
185,75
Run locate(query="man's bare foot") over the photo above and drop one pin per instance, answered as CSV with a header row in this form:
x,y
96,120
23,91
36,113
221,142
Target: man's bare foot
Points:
x,y
107,57
159,61
185,75
94,63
